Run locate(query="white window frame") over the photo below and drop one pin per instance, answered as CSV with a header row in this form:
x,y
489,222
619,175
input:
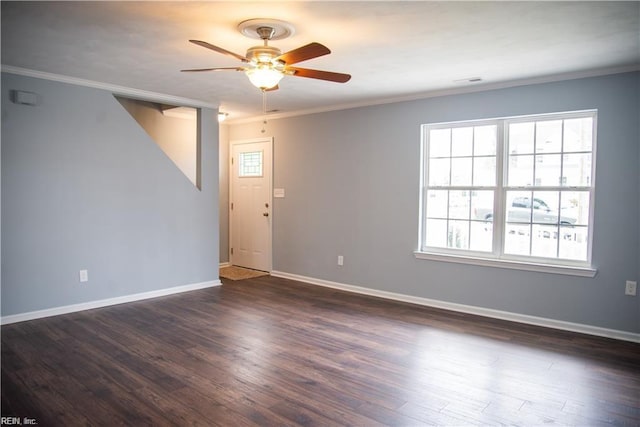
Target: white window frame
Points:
x,y
497,257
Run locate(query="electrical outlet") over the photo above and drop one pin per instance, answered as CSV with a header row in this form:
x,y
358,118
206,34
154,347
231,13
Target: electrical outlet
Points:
x,y
630,288
340,260
84,276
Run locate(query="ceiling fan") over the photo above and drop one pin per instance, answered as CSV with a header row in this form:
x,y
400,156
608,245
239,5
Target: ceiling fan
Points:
x,y
266,65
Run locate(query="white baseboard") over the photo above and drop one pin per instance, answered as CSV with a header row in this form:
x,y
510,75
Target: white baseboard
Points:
x,y
224,264
487,312
56,311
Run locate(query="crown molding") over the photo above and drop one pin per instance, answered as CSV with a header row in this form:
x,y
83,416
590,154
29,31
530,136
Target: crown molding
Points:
x,y
115,89
482,87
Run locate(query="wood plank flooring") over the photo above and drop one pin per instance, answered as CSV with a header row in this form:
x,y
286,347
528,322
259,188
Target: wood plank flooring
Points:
x,y
271,351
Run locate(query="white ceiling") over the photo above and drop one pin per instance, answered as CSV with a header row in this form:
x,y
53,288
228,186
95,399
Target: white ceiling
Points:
x,y
393,50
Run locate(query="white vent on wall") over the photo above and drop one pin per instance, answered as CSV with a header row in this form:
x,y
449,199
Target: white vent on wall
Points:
x,y
24,98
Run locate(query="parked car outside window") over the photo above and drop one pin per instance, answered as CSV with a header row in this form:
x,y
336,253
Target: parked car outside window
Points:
x,y
521,211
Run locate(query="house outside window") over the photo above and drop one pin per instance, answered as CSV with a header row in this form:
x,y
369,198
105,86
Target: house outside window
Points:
x,y
517,191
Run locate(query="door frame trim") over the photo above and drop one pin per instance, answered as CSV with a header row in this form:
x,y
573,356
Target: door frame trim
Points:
x,y
269,141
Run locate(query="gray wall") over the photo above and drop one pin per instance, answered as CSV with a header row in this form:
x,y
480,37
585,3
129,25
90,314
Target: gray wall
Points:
x,y
351,180
84,187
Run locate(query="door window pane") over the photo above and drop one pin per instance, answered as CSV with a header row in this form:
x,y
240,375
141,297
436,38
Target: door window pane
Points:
x,y
250,164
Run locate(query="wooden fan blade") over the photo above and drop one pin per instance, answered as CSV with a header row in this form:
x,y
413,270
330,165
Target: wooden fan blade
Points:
x,y
318,74
213,69
219,49
310,51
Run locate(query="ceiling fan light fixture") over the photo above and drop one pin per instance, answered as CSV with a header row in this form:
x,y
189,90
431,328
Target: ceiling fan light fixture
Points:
x,y
264,77
267,65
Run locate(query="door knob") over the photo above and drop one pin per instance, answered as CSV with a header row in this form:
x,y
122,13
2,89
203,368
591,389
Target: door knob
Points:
x,y
265,214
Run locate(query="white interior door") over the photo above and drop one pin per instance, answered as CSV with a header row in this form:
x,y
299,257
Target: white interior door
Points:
x,y
250,207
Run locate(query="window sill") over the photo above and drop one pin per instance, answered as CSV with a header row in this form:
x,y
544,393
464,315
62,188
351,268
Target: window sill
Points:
x,y
510,264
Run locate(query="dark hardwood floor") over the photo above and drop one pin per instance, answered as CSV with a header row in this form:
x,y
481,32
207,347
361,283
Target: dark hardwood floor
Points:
x,y
270,351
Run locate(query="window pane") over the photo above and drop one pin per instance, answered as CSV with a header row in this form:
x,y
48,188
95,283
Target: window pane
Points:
x,y
461,171
520,171
549,136
547,170
545,207
440,143
439,172
578,134
436,233
459,205
521,138
574,207
518,206
576,170
516,239
461,142
485,139
573,243
484,171
437,202
544,242
481,238
482,205
458,234
482,228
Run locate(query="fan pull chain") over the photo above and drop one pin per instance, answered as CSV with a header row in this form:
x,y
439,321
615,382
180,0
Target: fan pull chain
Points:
x,y
264,102
264,110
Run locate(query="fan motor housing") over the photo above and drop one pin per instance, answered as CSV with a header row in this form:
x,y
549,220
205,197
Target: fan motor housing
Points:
x,y
262,54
